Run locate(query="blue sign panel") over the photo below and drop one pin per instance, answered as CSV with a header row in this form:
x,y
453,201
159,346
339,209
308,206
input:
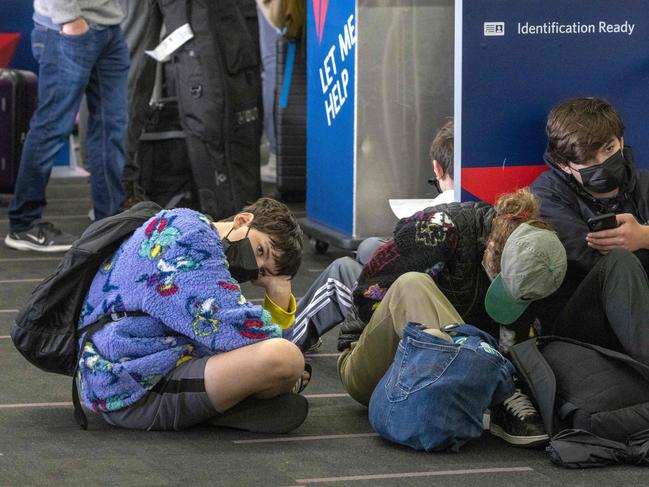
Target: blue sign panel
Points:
x,y
331,56
521,58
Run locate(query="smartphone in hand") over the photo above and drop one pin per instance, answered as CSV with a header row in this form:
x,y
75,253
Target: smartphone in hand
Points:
x,y
602,222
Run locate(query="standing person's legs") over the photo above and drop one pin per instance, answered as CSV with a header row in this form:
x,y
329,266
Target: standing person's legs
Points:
x,y
412,297
268,36
64,68
108,116
326,302
610,307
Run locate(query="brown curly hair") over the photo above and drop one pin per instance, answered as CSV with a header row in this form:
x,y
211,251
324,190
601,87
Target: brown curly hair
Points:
x,y
512,209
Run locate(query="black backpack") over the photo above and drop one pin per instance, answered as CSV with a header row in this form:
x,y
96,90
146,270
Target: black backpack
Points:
x,y
594,402
45,331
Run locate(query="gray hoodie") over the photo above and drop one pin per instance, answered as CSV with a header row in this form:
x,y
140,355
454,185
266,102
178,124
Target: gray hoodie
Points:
x,y
101,12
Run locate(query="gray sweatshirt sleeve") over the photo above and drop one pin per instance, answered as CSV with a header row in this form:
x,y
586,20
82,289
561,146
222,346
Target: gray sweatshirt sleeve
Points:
x,y
63,11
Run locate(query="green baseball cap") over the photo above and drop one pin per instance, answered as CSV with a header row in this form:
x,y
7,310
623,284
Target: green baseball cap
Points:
x,y
532,266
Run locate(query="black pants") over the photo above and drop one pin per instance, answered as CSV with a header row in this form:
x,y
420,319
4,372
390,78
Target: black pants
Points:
x,y
610,307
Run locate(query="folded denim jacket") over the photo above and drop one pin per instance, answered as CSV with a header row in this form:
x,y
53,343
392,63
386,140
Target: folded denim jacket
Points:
x,y
435,393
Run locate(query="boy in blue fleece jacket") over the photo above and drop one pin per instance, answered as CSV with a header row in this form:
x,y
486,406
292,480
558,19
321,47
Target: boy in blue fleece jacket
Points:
x,y
202,348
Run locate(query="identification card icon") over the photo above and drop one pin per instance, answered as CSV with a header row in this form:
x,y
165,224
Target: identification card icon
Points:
x,y
494,28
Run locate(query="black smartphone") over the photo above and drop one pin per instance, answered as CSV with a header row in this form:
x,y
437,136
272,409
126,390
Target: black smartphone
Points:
x,y
602,222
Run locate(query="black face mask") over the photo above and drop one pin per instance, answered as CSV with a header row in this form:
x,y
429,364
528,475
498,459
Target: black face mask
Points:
x,y
435,183
606,176
241,258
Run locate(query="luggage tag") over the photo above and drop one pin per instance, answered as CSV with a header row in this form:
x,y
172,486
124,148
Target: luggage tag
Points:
x,y
171,43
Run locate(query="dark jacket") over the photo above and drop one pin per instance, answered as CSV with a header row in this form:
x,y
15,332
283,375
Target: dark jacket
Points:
x,y
448,243
567,206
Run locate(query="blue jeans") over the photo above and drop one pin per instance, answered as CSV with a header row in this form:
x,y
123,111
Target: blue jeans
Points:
x,y
435,393
95,63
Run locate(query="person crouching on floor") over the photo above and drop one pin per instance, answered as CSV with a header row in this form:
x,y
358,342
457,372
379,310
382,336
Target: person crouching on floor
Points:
x,y
465,262
201,352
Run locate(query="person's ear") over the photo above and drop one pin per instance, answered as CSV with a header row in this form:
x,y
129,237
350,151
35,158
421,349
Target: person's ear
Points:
x,y
243,219
564,167
438,169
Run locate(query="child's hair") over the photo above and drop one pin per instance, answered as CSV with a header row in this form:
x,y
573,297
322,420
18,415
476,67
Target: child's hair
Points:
x,y
512,209
442,147
579,127
276,220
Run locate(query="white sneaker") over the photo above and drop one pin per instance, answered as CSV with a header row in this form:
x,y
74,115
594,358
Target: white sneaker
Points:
x,y
269,171
42,237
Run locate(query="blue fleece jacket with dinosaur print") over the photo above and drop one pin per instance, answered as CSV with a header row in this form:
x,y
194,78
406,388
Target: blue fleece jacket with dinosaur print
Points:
x,y
173,268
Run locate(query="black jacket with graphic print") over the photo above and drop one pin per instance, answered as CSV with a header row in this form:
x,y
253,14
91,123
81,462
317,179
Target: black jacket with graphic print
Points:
x,y
445,241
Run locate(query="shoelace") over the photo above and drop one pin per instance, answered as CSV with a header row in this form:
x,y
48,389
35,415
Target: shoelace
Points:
x,y
520,405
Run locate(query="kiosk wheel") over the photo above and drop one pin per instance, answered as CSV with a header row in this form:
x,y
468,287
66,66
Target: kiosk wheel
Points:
x,y
321,247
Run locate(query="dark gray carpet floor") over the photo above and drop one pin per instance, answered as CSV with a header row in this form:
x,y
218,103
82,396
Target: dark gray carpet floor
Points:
x,y
40,444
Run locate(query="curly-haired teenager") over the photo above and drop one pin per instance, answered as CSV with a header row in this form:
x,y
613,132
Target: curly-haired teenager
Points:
x,y
456,263
201,351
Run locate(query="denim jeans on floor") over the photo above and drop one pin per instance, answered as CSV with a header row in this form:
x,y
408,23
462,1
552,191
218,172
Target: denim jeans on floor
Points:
x,y
95,63
435,393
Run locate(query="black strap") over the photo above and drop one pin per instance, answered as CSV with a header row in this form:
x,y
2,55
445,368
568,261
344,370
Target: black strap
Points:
x,y
538,375
90,330
79,415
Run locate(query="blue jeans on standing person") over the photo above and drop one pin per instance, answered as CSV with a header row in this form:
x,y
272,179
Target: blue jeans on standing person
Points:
x,y
435,393
95,63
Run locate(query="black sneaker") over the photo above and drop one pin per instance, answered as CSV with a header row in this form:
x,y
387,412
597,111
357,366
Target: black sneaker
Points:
x,y
518,422
42,237
277,415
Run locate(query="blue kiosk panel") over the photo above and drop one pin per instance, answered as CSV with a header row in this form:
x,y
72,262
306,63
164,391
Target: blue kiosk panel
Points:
x,y
331,57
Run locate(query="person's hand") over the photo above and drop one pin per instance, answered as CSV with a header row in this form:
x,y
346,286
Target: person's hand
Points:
x,y
629,235
278,289
77,27
350,331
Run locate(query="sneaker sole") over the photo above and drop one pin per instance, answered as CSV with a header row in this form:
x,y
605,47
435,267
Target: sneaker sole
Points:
x,y
22,245
524,441
315,347
277,415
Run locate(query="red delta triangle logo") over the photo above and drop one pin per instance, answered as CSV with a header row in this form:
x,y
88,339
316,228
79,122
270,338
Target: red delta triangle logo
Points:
x,y
320,14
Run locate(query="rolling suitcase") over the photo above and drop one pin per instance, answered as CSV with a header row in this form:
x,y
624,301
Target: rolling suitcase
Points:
x,y
165,172
18,98
290,119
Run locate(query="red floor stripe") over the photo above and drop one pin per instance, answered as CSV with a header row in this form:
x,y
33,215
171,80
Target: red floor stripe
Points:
x,y
37,405
438,473
284,439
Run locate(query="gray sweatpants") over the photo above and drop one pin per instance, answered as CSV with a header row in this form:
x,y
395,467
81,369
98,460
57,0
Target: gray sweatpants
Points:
x,y
327,301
